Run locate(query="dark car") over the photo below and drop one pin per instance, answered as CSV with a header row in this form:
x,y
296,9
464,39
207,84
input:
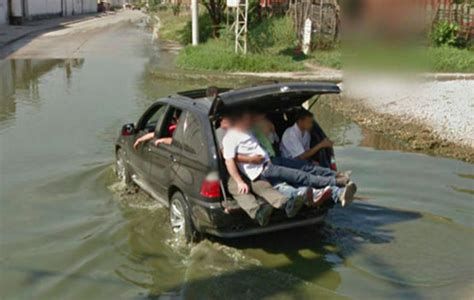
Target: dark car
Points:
x,y
189,175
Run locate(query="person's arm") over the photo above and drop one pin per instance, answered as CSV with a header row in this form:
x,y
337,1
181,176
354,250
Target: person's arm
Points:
x,y
326,143
249,159
234,173
142,139
166,141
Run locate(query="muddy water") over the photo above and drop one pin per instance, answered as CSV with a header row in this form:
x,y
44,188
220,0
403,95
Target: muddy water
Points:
x,y
70,231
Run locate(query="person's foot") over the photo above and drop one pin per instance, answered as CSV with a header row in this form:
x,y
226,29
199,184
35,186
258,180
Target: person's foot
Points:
x,y
322,196
294,205
346,174
342,181
348,194
263,214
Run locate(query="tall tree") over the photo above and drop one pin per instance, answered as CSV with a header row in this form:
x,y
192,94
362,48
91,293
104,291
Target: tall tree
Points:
x,y
216,12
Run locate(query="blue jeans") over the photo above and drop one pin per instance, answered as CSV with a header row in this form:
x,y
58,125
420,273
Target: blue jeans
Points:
x,y
277,174
289,191
302,165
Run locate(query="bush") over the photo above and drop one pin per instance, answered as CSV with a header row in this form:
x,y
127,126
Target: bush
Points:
x,y
445,34
277,33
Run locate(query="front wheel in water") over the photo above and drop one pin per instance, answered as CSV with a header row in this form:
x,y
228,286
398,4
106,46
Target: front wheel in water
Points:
x,y
180,219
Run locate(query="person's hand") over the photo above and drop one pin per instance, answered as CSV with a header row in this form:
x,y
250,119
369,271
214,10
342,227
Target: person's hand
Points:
x,y
157,142
256,159
243,187
135,145
326,143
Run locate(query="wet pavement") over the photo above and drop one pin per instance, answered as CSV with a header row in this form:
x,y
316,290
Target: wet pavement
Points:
x,y
69,230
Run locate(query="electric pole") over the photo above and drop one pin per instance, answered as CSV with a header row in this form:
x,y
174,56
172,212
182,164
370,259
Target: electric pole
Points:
x,y
195,21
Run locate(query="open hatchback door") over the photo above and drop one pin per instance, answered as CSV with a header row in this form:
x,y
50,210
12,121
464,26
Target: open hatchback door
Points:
x,y
271,96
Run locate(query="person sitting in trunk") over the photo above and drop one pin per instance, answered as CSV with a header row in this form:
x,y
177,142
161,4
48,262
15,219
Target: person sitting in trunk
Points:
x,y
258,161
259,197
296,140
239,140
265,133
313,197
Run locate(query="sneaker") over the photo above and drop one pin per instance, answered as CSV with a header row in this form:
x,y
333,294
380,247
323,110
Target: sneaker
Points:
x,y
322,196
294,205
263,214
348,194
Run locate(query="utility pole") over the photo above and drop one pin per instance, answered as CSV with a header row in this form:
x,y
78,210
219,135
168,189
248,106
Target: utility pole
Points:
x,y
195,21
240,24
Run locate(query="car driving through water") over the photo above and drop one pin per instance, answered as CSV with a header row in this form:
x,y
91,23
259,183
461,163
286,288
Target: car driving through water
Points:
x,y
183,168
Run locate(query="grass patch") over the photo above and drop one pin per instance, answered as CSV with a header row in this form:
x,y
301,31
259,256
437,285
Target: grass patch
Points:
x,y
327,58
219,55
171,25
449,59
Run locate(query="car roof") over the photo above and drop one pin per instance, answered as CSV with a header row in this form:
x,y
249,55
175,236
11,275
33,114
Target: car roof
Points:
x,y
265,94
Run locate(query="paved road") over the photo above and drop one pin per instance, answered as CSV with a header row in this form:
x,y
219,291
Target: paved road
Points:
x,y
53,38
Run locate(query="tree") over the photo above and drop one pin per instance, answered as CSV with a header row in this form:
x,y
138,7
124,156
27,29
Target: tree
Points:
x,y
215,9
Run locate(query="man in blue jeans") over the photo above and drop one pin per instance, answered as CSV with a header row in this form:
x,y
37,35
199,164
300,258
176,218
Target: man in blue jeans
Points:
x,y
239,140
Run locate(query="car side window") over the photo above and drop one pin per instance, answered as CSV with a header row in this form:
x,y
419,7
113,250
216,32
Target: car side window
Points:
x,y
154,118
193,141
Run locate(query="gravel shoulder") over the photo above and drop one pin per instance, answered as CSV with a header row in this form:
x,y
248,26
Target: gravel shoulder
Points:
x,y
434,117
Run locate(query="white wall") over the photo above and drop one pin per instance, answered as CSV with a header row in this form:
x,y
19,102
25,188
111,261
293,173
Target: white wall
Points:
x,y
43,7
37,8
3,12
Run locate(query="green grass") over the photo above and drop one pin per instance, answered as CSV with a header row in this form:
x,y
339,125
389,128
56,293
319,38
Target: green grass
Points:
x,y
447,59
219,55
326,58
172,26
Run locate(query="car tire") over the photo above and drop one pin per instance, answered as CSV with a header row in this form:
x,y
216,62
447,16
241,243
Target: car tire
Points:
x,y
180,219
121,168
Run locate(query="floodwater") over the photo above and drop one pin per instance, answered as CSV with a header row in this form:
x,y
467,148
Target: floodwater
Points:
x,y
69,230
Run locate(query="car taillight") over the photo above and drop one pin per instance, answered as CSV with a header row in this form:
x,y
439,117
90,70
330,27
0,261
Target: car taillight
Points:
x,y
211,188
333,163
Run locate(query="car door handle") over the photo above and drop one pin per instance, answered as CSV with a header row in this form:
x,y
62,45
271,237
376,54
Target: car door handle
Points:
x,y
173,159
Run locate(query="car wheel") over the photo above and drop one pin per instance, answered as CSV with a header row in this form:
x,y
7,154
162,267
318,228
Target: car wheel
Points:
x,y
121,168
180,219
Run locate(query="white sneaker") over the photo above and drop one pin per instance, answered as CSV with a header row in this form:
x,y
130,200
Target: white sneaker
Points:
x,y
348,194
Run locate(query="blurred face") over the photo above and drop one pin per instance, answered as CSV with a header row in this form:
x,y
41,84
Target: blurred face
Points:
x,y
244,122
225,122
306,123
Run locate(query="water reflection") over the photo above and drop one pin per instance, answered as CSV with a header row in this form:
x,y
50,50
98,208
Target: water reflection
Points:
x,y
23,77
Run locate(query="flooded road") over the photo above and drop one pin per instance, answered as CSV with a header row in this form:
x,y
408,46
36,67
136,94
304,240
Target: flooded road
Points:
x,y
69,230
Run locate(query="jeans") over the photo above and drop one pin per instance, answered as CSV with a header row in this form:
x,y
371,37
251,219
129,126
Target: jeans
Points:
x,y
302,165
289,191
277,174
336,193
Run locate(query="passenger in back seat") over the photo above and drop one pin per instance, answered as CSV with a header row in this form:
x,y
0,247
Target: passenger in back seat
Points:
x,y
290,199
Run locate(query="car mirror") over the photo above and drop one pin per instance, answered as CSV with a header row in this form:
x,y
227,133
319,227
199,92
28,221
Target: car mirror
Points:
x,y
128,129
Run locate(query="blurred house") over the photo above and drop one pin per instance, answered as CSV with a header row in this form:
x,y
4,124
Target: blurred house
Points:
x,y
19,11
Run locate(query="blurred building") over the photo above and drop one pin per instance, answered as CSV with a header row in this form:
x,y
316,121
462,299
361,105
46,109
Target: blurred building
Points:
x,y
19,11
